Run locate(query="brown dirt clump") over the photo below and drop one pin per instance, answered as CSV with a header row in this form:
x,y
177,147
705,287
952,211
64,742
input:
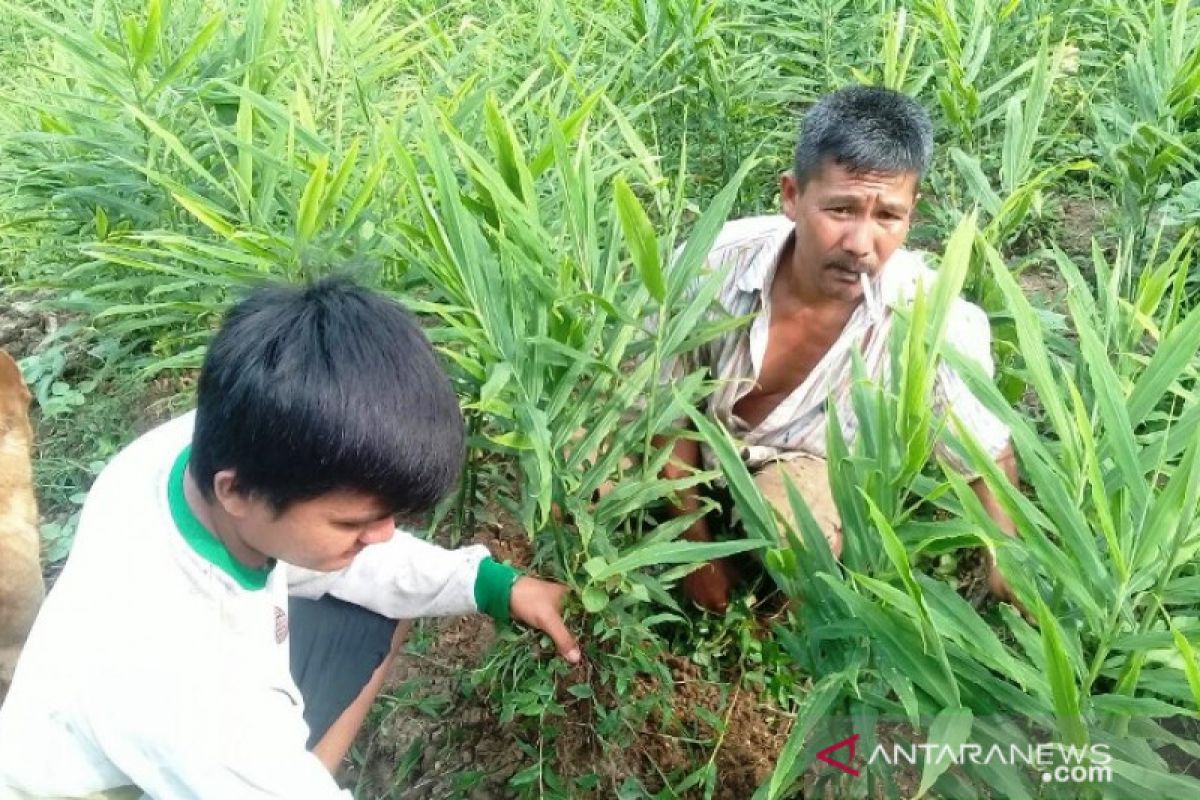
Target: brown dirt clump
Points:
x,y
1082,220
23,324
680,741
432,740
754,733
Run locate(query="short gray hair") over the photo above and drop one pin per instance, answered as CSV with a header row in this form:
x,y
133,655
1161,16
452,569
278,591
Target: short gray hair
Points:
x,y
865,129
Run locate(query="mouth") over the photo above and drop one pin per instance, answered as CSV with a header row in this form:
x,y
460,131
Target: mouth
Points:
x,y
848,273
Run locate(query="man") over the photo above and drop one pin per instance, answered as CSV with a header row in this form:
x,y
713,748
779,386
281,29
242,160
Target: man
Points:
x,y
169,656
822,280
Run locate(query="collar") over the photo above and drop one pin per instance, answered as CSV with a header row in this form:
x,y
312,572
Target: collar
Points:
x,y
203,541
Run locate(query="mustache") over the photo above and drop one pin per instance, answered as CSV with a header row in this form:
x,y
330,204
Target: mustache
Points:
x,y
852,265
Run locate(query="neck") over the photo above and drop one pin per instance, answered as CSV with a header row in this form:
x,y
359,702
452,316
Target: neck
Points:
x,y
221,523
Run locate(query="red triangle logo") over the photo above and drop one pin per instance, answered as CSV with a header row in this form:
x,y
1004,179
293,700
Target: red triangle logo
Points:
x,y
851,743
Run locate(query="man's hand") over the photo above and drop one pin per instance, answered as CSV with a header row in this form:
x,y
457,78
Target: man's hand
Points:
x,y
710,585
538,604
999,587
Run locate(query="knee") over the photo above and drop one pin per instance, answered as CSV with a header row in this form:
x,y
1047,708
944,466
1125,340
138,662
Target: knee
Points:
x,y
403,627
834,537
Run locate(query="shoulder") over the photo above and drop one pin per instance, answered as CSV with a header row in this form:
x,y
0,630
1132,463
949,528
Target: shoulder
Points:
x,y
749,234
120,532
967,317
746,249
908,269
902,274
148,451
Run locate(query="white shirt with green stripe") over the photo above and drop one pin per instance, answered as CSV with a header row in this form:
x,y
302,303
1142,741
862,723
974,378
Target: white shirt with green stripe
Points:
x,y
158,661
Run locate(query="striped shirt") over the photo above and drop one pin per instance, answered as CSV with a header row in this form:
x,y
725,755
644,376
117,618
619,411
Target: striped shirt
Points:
x,y
748,250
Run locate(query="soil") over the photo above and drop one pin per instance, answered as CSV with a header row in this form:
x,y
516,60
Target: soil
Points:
x,y
415,754
464,751
1082,220
1045,288
754,732
23,325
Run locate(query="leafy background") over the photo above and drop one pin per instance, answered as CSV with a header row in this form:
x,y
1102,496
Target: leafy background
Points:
x,y
518,172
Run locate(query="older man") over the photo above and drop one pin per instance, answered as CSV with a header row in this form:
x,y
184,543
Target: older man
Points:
x,y
822,280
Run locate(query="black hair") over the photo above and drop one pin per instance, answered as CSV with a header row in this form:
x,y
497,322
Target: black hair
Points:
x,y
864,129
306,390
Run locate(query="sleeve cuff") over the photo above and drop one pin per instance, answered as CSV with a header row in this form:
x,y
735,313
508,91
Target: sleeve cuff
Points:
x,y
493,589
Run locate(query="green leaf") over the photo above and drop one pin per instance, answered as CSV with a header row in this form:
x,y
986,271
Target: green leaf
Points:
x,y
950,728
150,34
595,599
307,214
1064,690
190,54
1118,439
757,517
204,212
1156,782
981,190
639,238
333,194
675,553
815,706
1173,355
1190,667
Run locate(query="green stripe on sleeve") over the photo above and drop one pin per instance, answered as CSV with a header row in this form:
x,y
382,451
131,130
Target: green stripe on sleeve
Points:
x,y
493,589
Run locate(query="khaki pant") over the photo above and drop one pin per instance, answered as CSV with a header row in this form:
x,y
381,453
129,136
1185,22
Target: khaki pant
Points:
x,y
810,476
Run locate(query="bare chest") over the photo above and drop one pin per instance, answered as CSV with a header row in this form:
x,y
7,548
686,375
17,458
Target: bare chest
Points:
x,y
794,348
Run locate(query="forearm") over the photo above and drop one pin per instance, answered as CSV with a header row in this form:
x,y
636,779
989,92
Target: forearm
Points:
x,y
1007,461
684,462
403,578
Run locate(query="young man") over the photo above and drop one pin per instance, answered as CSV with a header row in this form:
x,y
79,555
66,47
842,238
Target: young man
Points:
x,y
847,207
229,607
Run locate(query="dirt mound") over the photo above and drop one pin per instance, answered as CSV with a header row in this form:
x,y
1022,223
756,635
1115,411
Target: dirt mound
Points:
x,y
23,325
749,736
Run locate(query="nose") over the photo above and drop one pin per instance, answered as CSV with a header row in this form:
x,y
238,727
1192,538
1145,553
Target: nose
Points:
x,y
378,532
857,240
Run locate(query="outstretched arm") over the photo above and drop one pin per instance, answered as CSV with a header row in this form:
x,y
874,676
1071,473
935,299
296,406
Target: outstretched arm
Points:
x,y
1007,461
409,578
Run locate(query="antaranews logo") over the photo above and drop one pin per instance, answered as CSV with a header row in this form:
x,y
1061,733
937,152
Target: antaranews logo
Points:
x,y
1056,762
851,744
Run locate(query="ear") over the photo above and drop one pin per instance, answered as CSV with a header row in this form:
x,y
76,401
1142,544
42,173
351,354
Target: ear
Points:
x,y
789,195
11,383
235,502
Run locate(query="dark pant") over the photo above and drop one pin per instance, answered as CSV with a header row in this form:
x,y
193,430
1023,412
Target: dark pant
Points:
x,y
336,646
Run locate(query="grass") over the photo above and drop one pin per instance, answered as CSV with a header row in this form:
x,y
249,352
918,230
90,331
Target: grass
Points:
x,y
518,171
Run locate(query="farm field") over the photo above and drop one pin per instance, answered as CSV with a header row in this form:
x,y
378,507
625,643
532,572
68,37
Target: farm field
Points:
x,y
519,173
